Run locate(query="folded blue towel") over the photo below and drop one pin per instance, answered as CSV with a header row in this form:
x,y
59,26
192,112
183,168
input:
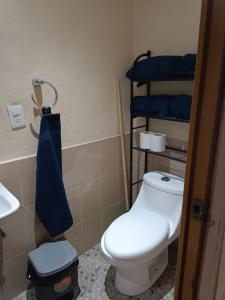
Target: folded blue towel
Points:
x,y
162,68
157,67
158,105
167,106
51,202
186,66
181,107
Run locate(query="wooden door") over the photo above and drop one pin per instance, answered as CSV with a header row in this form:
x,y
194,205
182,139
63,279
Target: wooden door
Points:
x,y
204,132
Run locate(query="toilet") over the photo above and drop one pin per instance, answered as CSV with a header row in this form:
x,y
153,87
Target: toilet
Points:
x,y
136,243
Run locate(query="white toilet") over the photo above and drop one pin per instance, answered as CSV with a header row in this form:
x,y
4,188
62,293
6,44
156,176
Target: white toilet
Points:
x,y
137,242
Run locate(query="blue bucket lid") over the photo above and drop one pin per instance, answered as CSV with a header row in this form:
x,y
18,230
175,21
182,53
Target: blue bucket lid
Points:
x,y
51,258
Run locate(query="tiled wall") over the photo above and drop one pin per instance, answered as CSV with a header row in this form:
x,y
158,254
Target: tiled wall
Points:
x,y
93,181
94,185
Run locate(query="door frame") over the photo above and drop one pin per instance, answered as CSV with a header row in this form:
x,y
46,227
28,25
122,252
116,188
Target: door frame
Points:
x,y
204,132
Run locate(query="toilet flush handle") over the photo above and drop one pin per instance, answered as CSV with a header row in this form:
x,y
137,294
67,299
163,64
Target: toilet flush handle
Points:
x,y
165,178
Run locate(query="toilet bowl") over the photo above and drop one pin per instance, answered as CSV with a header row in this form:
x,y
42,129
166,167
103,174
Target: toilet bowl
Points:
x,y
136,243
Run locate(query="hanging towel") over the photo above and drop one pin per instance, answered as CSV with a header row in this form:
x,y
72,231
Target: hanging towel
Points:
x,y
51,202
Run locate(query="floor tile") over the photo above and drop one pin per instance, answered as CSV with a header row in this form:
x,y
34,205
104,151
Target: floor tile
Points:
x,y
96,279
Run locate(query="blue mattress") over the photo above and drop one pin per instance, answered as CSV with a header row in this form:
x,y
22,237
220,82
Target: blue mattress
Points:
x,y
162,106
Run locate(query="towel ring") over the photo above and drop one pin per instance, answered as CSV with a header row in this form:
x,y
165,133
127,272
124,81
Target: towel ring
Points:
x,y
39,82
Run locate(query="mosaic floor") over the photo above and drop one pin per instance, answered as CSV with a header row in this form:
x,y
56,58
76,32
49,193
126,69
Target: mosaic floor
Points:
x,y
96,280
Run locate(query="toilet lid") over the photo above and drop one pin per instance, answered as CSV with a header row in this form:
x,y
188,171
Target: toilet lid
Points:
x,y
137,234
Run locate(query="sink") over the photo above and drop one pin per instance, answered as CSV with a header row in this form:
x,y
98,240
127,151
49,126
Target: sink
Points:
x,y
8,203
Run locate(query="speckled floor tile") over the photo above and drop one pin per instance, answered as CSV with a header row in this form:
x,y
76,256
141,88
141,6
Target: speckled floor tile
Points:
x,y
96,279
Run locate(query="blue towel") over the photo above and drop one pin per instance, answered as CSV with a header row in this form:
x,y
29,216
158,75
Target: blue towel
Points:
x,y
158,106
162,68
185,67
51,202
162,106
181,107
157,67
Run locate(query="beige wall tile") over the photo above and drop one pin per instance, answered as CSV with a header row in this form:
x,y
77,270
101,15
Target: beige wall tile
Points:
x,y
75,236
138,171
120,184
108,215
16,241
127,150
15,277
108,155
74,203
91,231
88,161
177,168
27,179
90,198
157,163
109,189
121,207
71,176
9,177
81,164
37,234
177,173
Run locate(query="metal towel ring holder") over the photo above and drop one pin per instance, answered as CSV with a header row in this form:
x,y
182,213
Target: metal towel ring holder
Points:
x,y
39,82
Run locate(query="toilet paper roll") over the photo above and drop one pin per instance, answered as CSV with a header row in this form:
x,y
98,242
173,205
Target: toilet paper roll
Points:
x,y
145,139
158,142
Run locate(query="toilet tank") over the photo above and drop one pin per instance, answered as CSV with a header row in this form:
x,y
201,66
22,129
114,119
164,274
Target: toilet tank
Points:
x,y
162,193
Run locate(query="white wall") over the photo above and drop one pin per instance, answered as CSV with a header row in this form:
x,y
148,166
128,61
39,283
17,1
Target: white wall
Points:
x,y
166,27
80,46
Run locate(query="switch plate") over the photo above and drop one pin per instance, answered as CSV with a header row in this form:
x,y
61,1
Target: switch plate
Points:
x,y
16,116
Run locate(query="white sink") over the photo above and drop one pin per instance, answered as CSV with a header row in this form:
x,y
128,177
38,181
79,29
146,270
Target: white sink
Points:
x,y
8,203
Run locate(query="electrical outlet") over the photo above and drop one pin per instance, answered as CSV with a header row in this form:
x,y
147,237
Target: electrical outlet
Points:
x,y
16,116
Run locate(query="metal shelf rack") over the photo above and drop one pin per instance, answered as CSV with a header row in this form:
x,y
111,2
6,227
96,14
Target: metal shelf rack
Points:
x,y
170,152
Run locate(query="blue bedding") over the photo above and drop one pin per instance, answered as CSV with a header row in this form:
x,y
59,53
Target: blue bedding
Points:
x,y
162,106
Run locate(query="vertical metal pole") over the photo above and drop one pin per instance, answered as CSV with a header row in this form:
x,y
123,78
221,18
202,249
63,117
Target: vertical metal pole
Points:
x,y
147,119
146,154
131,145
147,128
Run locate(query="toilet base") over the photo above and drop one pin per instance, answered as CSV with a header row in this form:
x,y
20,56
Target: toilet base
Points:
x,y
137,280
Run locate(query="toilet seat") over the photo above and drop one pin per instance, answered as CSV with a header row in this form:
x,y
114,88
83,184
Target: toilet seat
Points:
x,y
137,234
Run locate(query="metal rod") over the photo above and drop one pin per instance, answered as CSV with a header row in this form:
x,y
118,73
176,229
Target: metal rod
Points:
x,y
139,181
182,158
141,126
2,233
146,154
166,119
131,146
37,83
147,119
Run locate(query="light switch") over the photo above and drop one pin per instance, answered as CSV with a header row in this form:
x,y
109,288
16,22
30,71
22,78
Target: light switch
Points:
x,y
16,116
